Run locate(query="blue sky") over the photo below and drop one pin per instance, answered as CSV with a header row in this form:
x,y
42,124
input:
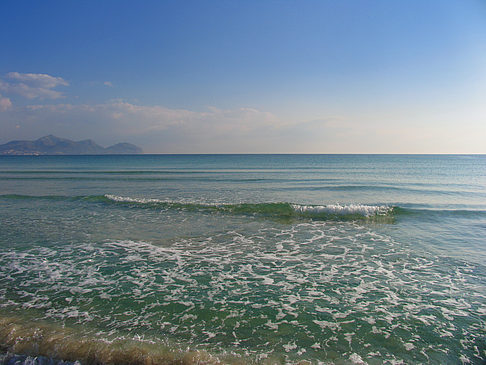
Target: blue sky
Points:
x,y
247,76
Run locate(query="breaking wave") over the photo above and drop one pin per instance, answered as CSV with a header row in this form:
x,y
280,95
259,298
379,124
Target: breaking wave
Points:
x,y
284,210
278,210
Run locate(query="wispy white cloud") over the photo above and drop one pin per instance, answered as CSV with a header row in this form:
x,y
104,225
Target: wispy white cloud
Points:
x,y
162,129
32,86
39,80
136,119
108,83
5,103
156,128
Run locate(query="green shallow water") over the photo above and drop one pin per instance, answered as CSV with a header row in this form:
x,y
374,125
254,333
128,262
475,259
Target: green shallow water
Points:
x,y
277,259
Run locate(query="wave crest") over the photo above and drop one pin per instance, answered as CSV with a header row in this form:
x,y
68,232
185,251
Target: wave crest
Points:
x,y
338,209
283,209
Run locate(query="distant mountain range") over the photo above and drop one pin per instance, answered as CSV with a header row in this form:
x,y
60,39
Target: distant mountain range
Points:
x,y
52,145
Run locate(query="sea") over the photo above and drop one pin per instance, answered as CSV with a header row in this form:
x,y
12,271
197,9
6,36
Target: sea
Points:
x,y
243,259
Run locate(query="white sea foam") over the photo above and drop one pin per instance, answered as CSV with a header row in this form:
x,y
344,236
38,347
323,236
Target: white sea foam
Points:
x,y
127,199
255,290
338,209
356,359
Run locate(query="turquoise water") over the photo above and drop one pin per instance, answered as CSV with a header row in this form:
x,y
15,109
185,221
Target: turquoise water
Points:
x,y
244,258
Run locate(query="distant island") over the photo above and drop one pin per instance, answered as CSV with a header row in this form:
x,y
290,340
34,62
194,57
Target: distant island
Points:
x,y
52,145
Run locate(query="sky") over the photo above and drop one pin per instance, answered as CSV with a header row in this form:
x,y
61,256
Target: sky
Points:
x,y
303,76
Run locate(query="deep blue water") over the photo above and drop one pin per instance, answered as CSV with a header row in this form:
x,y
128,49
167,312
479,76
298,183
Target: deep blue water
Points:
x,y
279,258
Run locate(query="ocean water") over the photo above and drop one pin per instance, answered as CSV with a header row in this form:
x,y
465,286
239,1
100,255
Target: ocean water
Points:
x,y
261,259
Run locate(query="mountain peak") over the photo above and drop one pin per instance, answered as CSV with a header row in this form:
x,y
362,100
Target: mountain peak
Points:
x,y
49,140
